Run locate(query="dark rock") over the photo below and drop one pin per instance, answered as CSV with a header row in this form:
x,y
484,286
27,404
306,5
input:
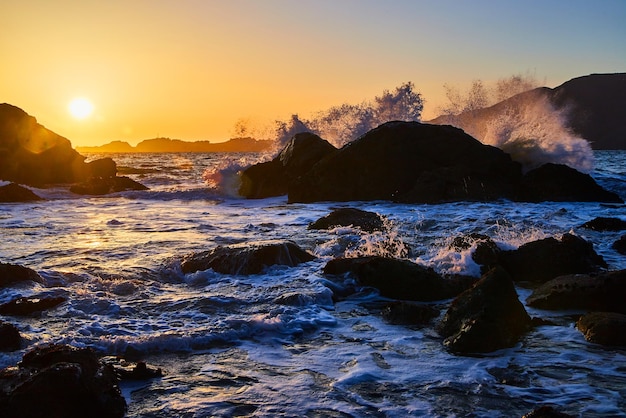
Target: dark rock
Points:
x,y
140,371
272,178
486,252
25,306
102,186
485,318
366,221
102,168
407,313
13,273
15,193
546,412
620,245
60,381
246,258
606,328
399,279
545,259
409,162
605,224
560,183
601,292
10,339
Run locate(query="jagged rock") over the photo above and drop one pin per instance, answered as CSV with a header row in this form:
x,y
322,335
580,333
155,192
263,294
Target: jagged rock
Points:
x,y
246,258
14,273
60,381
545,259
606,328
605,224
24,306
10,338
15,193
399,279
102,186
486,317
560,183
272,178
601,292
366,221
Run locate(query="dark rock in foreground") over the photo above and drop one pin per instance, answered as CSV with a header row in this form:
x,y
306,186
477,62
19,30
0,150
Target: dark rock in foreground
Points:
x,y
14,273
15,193
620,245
60,381
545,259
246,258
407,313
10,338
101,186
272,178
25,306
606,328
485,318
546,412
605,224
399,279
601,292
366,221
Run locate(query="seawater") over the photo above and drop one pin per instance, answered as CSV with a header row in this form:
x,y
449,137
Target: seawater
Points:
x,y
228,348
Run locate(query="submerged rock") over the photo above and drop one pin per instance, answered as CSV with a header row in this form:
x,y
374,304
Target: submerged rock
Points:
x,y
600,292
246,258
546,412
399,279
101,186
14,273
486,317
366,221
25,306
606,328
15,193
10,338
60,381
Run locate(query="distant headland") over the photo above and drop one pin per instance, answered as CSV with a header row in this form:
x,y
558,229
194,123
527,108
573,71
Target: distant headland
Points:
x,y
177,145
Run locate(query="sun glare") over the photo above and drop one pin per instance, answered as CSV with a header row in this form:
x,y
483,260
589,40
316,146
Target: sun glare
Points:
x,y
80,108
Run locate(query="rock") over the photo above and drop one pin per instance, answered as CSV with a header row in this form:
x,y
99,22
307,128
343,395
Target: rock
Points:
x,y
10,339
102,186
486,251
140,371
272,178
366,221
399,279
606,328
407,313
605,224
14,273
620,245
601,292
102,168
546,412
15,193
246,258
25,306
409,162
486,317
60,381
545,259
560,183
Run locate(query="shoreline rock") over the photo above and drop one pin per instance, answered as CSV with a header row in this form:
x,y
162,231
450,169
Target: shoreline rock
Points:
x,y
605,328
13,193
364,220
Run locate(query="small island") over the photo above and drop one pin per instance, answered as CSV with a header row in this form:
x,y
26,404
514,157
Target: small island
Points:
x,y
176,145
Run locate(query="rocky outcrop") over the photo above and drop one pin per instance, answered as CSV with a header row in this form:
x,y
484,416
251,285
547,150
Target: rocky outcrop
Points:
x,y
14,273
60,381
366,221
15,193
606,328
33,155
601,292
101,186
486,317
399,279
246,259
272,178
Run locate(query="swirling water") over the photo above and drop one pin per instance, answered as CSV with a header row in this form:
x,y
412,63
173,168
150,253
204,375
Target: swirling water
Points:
x,y
232,346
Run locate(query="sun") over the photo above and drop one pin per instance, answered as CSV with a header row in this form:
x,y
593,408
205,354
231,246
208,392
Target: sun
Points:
x,y
80,108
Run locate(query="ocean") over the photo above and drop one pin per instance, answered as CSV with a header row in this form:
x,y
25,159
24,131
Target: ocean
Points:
x,y
228,348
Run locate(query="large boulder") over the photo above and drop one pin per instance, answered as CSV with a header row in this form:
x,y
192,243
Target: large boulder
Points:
x,y
15,273
486,317
33,155
60,381
410,162
399,279
13,192
366,221
601,292
272,178
246,259
606,328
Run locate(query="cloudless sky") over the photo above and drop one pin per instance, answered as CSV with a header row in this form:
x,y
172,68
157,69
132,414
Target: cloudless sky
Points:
x,y
189,69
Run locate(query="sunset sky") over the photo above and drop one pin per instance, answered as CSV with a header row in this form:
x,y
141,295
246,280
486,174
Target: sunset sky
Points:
x,y
190,69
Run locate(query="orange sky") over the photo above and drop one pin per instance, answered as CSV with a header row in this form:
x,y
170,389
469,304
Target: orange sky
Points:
x,y
190,69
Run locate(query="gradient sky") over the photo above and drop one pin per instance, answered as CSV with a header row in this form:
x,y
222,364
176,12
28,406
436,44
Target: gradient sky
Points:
x,y
189,69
